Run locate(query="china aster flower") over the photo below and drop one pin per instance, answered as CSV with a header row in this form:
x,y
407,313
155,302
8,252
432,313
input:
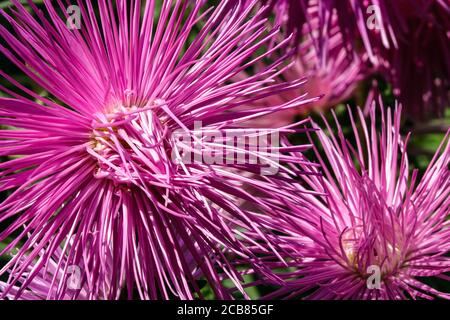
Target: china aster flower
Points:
x,y
93,161
367,229
395,35
294,15
370,22
333,73
419,66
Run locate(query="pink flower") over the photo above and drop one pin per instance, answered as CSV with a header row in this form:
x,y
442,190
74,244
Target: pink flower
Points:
x,y
93,162
367,229
406,41
330,71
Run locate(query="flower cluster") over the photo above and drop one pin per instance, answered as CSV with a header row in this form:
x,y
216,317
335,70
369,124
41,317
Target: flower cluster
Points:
x,y
405,41
163,149
365,216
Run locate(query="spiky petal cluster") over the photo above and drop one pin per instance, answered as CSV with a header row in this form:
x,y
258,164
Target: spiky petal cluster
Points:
x,y
90,165
420,76
330,71
365,221
48,280
397,37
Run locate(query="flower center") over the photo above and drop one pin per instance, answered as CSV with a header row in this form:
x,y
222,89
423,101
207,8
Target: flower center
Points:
x,y
131,146
362,253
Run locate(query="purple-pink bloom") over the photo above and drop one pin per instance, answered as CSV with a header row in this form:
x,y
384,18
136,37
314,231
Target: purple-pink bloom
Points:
x,y
89,171
367,219
329,69
406,41
419,66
